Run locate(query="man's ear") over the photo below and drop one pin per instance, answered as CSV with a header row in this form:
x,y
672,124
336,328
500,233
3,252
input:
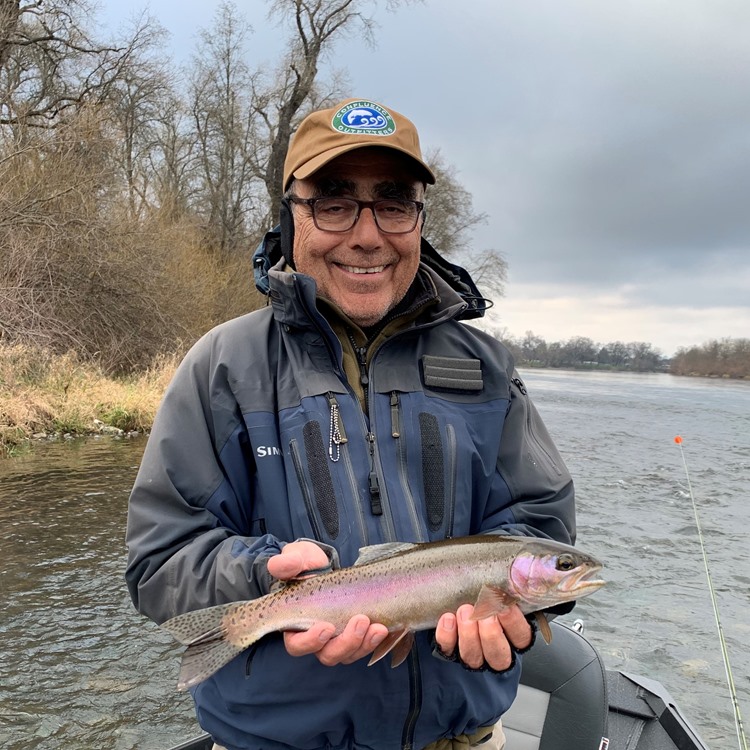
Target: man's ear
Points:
x,y
286,224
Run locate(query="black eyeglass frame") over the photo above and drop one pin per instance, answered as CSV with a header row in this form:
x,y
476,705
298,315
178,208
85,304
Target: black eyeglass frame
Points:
x,y
310,202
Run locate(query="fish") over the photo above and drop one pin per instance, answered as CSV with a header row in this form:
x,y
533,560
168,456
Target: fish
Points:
x,y
405,586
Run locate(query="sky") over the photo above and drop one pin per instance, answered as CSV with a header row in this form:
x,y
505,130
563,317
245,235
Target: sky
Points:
x,y
607,142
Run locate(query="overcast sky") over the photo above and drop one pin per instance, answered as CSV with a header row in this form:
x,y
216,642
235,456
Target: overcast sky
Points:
x,y
608,142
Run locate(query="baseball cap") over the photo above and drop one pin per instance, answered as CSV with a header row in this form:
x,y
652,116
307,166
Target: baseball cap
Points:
x,y
354,123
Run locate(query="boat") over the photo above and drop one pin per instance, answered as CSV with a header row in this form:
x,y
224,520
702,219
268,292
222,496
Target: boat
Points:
x,y
569,700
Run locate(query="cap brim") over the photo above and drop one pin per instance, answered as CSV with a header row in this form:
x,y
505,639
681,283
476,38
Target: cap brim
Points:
x,y
311,167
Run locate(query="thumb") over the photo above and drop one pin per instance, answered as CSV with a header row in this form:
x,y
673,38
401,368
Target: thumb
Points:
x,y
295,558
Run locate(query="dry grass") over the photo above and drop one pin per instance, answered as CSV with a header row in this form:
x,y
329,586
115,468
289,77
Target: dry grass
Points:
x,y
45,393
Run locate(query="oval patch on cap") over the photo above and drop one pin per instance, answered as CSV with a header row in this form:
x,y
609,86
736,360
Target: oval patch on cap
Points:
x,y
363,118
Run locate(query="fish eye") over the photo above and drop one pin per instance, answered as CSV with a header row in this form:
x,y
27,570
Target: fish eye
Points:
x,y
565,562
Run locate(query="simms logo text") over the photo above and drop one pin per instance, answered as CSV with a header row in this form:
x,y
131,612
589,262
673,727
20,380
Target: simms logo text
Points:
x,y
267,450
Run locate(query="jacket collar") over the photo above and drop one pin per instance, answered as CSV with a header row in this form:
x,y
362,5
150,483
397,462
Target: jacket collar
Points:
x,y
293,296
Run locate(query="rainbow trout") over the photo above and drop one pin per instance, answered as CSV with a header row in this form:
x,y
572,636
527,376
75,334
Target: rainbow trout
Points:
x,y
406,587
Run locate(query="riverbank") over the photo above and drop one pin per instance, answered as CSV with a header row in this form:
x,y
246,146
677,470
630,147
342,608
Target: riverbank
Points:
x,y
45,395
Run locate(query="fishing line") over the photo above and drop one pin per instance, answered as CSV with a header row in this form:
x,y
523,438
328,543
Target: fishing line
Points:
x,y
724,652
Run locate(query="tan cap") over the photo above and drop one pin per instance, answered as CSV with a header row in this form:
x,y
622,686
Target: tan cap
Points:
x,y
351,124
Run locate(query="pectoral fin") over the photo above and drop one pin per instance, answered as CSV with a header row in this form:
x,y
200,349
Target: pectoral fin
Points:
x,y
398,644
491,601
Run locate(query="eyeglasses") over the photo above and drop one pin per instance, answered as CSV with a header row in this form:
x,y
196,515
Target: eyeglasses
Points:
x,y
341,214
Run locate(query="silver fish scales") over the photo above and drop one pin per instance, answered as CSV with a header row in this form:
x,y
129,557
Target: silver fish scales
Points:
x,y
404,586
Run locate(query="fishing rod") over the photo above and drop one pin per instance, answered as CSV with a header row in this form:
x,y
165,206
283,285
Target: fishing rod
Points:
x,y
742,739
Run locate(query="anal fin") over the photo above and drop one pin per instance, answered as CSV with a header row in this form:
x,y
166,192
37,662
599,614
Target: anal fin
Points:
x,y
397,643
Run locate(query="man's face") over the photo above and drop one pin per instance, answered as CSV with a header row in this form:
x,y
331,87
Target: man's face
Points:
x,y
363,271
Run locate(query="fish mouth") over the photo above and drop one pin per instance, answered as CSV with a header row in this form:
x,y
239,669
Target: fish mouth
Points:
x,y
583,580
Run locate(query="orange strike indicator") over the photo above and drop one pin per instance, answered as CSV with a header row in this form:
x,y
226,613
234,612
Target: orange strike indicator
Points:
x,y
678,439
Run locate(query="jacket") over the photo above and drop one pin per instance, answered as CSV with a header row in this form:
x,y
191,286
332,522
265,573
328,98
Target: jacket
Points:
x,y
261,439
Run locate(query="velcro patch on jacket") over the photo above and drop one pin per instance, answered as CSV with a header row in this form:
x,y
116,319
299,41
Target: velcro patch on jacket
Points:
x,y
454,373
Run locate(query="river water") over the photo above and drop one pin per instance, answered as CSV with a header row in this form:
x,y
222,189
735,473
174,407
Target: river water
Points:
x,y
79,668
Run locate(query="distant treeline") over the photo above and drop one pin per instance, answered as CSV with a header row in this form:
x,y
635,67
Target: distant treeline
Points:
x,y
727,358
580,352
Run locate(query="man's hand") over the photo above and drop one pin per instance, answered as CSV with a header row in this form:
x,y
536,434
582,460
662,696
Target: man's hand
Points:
x,y
296,558
481,641
359,637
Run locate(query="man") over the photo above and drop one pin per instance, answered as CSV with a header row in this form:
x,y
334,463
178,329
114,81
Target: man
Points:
x,y
355,409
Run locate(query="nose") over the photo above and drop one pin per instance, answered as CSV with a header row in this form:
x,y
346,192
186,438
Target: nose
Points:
x,y
365,232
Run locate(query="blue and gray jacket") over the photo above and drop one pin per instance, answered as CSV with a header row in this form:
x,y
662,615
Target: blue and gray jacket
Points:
x,y
262,439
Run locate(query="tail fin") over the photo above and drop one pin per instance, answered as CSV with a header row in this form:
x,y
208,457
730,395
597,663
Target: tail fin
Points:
x,y
205,635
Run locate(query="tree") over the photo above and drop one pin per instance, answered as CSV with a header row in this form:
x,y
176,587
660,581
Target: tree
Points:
x,y
534,348
49,63
138,100
729,358
616,353
70,277
643,357
451,221
131,200
578,351
244,118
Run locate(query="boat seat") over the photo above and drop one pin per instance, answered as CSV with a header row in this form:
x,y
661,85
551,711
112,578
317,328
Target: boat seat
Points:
x,y
562,701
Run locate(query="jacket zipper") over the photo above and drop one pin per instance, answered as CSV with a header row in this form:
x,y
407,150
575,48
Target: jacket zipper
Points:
x,y
373,481
395,428
364,378
534,441
376,505
309,505
411,505
451,499
415,705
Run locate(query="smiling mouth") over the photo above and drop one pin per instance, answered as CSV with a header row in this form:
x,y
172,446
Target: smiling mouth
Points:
x,y
362,270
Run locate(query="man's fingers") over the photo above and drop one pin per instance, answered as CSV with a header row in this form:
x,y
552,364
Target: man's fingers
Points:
x,y
489,640
358,639
495,646
309,641
446,634
516,628
469,642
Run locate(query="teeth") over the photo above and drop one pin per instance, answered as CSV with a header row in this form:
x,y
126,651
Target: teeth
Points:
x,y
357,269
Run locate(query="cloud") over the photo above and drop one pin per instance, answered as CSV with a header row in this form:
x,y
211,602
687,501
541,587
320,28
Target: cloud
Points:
x,y
628,140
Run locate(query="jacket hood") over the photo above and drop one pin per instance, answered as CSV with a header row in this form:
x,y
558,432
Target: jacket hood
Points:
x,y
458,278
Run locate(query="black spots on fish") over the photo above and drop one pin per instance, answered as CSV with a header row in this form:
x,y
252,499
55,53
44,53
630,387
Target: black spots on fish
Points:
x,y
565,561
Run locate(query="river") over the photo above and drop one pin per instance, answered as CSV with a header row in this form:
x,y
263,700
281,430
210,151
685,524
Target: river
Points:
x,y
81,669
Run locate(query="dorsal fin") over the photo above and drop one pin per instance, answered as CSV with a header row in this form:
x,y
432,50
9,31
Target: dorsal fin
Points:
x,y
382,551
